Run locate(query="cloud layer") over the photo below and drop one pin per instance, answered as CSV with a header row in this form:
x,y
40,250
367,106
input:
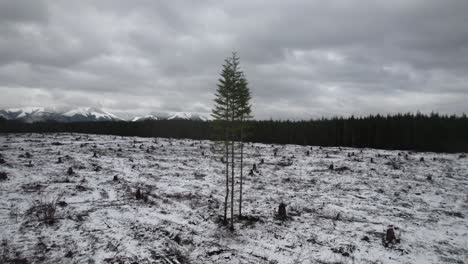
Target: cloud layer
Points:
x,y
302,58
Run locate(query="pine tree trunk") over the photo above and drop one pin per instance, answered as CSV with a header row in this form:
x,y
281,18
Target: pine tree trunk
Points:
x,y
241,171
232,183
226,198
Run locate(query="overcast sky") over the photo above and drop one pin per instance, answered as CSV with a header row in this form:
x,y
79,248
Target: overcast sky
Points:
x,y
302,58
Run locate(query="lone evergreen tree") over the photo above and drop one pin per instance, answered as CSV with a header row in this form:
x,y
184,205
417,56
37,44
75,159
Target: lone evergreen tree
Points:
x,y
232,107
221,114
243,113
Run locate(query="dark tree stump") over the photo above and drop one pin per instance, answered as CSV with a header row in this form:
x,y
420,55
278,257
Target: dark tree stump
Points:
x,y
95,155
138,195
254,167
2,161
372,160
116,178
282,211
390,235
331,167
59,160
3,176
307,153
70,171
262,161
251,173
421,159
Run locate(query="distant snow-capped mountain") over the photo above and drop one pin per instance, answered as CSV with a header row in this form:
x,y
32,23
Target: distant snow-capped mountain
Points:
x,y
144,118
187,116
39,114
90,114
29,114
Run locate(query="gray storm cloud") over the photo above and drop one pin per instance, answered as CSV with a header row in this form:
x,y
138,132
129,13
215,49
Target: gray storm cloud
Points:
x,y
303,59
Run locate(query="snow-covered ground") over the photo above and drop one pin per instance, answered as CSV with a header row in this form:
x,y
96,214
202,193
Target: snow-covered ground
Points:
x,y
335,216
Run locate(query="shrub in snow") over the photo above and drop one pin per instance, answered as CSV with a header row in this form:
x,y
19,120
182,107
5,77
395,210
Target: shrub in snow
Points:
x,y
45,211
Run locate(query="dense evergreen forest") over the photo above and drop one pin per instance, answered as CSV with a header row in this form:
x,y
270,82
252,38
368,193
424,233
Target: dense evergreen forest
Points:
x,y
418,132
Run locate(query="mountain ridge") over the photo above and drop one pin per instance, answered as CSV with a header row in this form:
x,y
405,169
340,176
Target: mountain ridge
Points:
x,y
81,114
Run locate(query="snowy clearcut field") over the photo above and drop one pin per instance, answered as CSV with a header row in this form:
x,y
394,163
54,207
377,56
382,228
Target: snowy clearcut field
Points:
x,y
336,216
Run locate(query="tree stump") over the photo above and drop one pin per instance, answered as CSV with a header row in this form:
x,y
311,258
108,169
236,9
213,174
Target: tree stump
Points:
x,y
95,155
307,153
254,167
2,161
262,161
3,176
331,167
59,160
138,195
251,173
282,211
70,171
390,235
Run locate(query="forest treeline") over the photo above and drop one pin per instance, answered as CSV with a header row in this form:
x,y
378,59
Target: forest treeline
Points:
x,y
438,133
